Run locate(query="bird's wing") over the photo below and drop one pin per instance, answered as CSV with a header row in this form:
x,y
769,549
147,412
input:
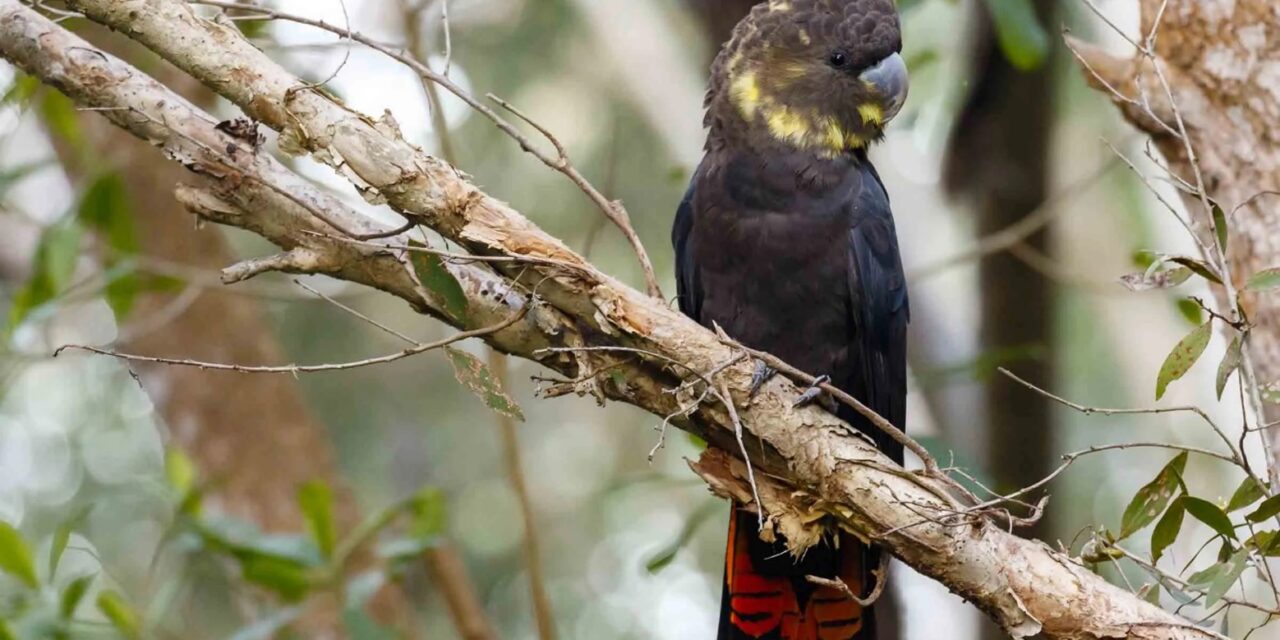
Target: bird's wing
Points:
x,y
878,316
688,291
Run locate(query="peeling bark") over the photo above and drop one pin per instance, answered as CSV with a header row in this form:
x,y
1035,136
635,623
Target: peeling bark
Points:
x,y
811,462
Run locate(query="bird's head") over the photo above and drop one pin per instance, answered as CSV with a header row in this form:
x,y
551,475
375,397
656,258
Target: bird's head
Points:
x,y
818,75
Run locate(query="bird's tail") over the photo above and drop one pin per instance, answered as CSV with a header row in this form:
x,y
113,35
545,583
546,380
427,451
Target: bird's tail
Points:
x,y
768,597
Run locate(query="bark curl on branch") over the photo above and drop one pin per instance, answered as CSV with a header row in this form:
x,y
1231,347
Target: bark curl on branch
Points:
x,y
810,470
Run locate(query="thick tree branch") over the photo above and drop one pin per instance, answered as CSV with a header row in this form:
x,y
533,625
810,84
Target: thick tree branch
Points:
x,y
812,470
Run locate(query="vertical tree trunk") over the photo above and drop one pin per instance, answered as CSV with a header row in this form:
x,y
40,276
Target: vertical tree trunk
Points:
x,y
998,161
253,437
1222,64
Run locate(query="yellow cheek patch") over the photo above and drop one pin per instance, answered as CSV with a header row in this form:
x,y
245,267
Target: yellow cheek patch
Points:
x,y
788,125
871,114
745,92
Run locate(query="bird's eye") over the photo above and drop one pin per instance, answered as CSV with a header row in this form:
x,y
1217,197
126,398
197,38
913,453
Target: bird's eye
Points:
x,y
838,59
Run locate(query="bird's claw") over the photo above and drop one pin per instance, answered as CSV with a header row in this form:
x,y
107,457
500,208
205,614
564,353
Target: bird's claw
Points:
x,y
761,375
812,393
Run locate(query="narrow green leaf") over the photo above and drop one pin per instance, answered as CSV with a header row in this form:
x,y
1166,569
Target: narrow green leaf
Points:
x,y
479,380
105,207
1190,311
316,501
1265,542
287,578
1268,509
52,268
1183,357
73,594
1150,592
121,615
1226,577
61,536
15,556
1220,226
1210,514
1022,39
426,513
61,117
438,281
1166,531
1264,280
180,471
1230,362
1150,501
1249,492
1199,267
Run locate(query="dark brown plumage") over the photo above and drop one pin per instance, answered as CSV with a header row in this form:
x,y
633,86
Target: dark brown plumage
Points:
x,y
786,240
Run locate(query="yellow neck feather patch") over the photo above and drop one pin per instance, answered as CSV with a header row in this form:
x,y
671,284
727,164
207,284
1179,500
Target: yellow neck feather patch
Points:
x,y
791,126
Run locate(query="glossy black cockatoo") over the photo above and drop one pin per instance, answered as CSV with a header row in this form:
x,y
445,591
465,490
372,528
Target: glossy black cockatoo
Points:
x,y
786,241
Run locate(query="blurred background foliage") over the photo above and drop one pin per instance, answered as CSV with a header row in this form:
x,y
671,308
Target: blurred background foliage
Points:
x,y
155,503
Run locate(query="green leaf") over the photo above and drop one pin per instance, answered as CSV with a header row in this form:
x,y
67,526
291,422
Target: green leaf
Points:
x,y
1264,280
437,280
1150,592
105,207
1166,531
61,536
1022,39
1230,362
73,594
290,579
426,511
1199,267
1268,509
52,268
1183,357
1220,226
121,615
15,556
60,115
1210,514
479,380
6,633
1249,492
1190,311
1265,542
316,501
1226,577
1150,501
180,471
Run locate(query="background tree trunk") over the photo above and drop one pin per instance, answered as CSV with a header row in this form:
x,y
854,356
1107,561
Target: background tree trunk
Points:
x,y
253,439
998,161
1222,63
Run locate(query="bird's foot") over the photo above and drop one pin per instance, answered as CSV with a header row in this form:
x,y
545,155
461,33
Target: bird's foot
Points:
x,y
761,375
815,392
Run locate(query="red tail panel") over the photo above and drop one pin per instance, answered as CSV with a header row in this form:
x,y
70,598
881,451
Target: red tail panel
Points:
x,y
763,603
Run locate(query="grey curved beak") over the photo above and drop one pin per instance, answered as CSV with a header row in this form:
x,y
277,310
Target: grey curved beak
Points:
x,y
888,80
